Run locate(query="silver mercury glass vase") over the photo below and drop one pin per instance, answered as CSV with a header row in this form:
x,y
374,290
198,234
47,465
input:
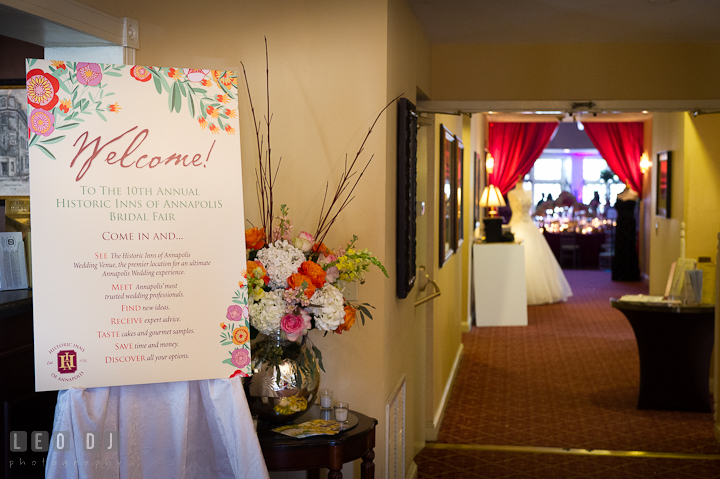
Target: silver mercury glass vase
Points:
x,y
285,378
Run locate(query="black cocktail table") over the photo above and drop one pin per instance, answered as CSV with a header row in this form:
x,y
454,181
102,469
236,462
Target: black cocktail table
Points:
x,y
675,347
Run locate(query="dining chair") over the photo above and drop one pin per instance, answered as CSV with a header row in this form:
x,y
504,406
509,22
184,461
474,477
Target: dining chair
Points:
x,y
569,249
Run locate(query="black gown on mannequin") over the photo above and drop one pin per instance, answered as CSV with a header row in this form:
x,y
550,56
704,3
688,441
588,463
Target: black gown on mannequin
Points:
x,y
625,262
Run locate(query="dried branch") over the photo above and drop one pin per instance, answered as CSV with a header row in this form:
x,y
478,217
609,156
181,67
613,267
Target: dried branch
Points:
x,y
328,217
264,177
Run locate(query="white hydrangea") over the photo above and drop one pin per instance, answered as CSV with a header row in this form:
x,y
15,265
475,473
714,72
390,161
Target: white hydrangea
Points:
x,y
327,308
266,314
281,260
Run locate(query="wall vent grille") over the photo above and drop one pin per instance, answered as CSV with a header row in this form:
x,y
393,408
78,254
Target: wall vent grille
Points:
x,y
395,433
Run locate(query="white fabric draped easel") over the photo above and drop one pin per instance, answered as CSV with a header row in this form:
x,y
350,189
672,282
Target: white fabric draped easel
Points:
x,y
181,430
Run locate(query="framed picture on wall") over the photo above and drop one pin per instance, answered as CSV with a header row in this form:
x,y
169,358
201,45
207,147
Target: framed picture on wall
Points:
x,y
14,159
459,229
662,199
477,190
406,196
447,214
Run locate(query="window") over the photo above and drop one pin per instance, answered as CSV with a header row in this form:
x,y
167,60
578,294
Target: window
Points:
x,y
550,173
577,171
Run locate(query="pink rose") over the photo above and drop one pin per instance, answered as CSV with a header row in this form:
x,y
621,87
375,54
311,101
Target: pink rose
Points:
x,y
303,241
294,326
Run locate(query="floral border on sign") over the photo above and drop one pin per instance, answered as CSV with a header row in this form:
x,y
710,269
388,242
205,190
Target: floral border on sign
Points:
x,y
83,93
239,334
62,97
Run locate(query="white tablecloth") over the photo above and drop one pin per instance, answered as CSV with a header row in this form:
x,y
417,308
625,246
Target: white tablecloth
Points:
x,y
179,430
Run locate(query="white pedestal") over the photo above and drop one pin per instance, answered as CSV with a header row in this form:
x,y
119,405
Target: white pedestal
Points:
x,y
500,293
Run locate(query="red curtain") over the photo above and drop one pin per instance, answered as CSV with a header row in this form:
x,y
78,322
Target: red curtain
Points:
x,y
515,147
621,145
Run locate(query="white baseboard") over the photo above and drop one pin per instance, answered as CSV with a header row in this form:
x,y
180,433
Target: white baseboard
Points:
x,y
412,471
466,326
432,429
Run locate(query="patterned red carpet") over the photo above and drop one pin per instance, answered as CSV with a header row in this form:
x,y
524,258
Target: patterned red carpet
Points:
x,y
567,380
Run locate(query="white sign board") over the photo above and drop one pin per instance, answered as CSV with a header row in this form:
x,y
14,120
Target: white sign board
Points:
x,y
137,221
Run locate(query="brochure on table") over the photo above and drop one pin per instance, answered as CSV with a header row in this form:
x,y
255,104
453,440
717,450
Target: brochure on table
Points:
x,y
138,229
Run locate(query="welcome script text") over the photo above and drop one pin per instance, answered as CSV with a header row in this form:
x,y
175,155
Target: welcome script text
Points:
x,y
90,150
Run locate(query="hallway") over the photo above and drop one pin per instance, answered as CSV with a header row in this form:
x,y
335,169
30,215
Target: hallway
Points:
x,y
558,399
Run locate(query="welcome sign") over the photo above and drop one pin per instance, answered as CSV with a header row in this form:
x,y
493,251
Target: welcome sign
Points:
x,y
137,225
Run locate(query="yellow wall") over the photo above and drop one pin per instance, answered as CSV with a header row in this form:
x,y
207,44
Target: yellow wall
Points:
x,y
449,309
466,247
695,148
404,341
702,184
608,71
665,232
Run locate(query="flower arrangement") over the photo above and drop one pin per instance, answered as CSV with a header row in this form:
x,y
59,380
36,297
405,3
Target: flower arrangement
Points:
x,y
295,283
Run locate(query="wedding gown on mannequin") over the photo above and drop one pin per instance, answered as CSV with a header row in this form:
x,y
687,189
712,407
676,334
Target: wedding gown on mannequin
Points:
x,y
544,278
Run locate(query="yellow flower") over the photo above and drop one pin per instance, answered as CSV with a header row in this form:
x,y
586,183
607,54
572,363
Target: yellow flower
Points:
x,y
115,108
203,122
230,113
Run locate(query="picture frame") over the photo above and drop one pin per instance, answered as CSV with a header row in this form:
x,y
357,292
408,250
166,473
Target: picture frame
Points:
x,y
458,183
406,204
446,211
479,171
664,184
14,158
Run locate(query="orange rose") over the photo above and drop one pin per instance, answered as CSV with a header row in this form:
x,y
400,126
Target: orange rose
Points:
x,y
320,248
315,272
255,238
349,320
297,280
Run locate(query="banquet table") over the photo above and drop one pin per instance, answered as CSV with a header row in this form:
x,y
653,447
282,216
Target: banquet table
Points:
x,y
589,247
